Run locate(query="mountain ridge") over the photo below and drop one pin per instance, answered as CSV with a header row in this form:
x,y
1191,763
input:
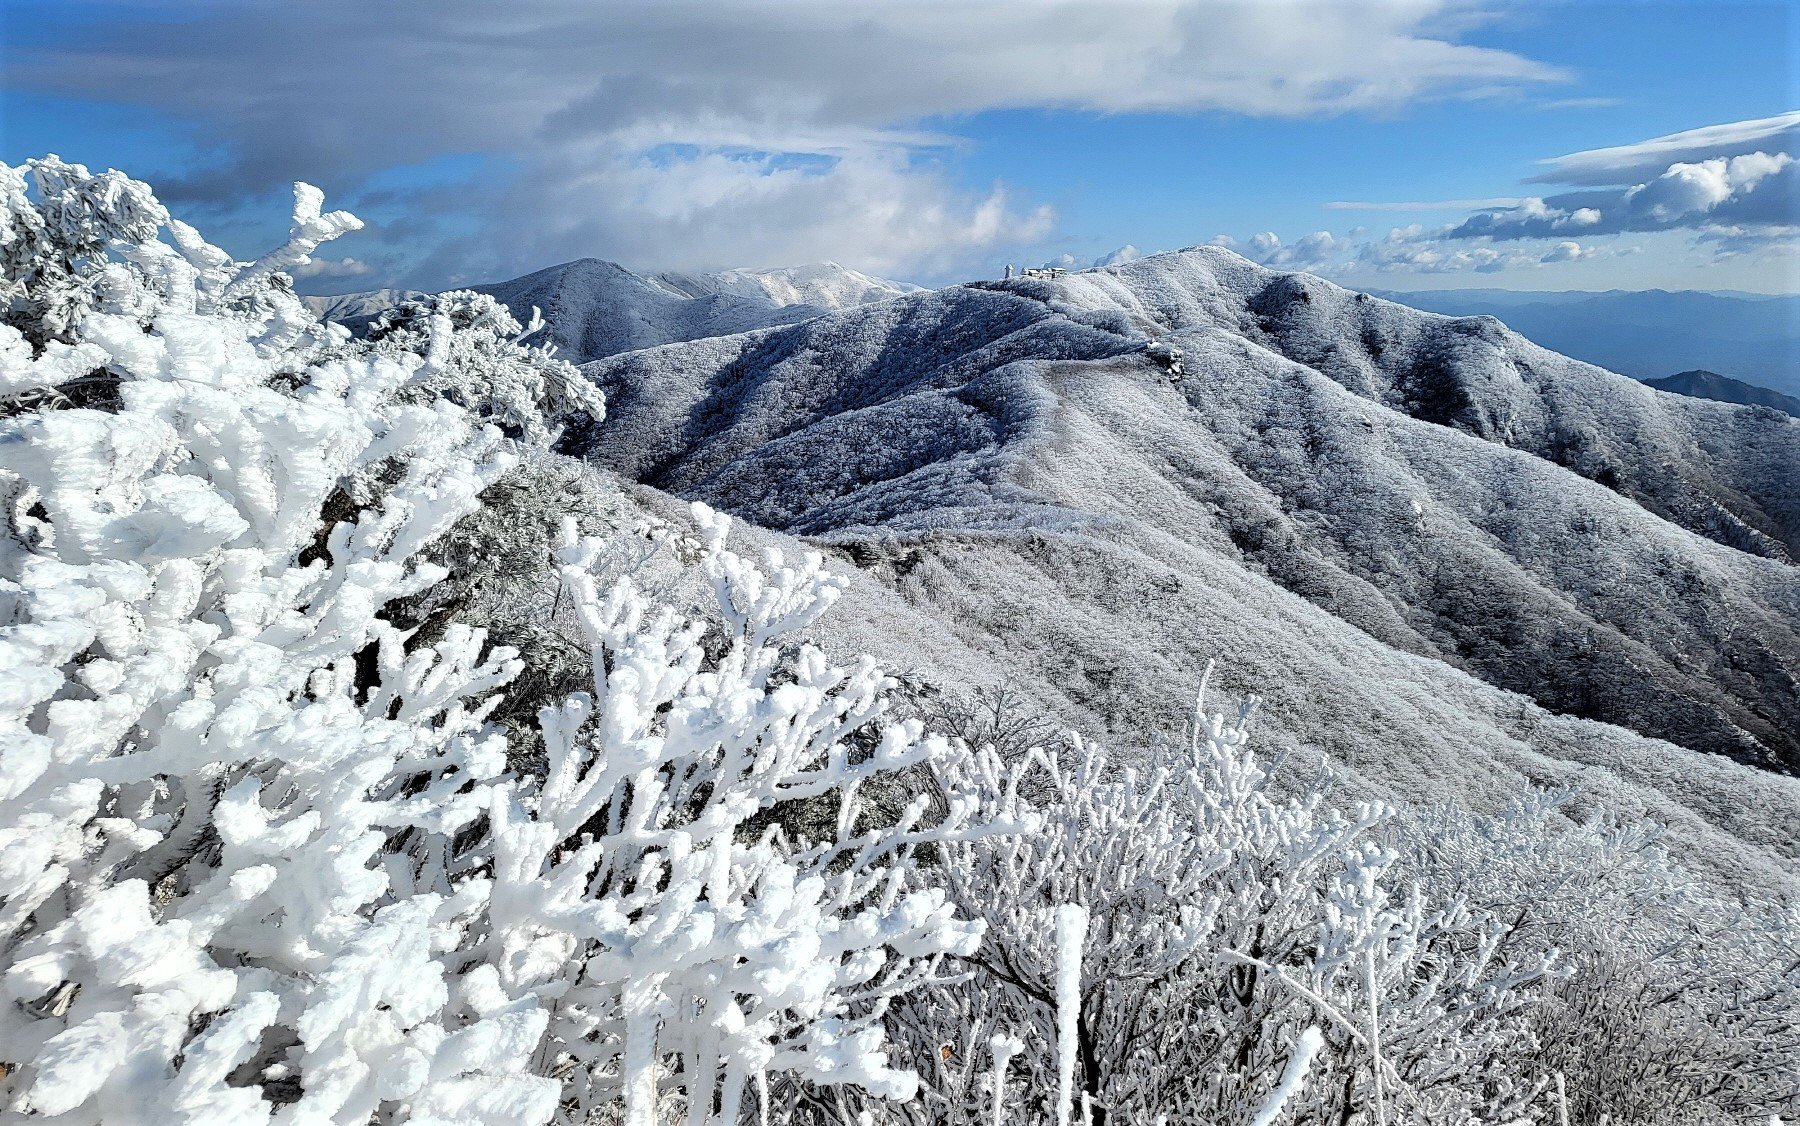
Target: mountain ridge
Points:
x,y
1646,333
1446,487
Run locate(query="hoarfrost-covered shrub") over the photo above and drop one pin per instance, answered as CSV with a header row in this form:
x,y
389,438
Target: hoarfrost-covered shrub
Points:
x,y
1257,959
1679,1006
261,857
219,759
635,894
1246,958
476,356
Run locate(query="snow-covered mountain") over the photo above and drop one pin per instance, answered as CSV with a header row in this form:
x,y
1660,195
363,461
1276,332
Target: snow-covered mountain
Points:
x,y
1099,482
594,308
824,285
355,310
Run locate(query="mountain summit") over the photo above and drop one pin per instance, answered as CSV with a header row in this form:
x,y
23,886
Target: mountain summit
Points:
x,y
1703,384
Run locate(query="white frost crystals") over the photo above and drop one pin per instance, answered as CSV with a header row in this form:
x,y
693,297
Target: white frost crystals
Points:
x,y
261,857
204,798
690,918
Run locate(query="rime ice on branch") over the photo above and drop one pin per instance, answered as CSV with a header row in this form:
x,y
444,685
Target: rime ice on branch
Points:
x,y
262,855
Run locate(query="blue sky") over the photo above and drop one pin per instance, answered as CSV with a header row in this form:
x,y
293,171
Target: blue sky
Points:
x,y
935,141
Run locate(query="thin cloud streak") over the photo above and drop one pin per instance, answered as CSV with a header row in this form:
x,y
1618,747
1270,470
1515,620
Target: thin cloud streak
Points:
x,y
1424,205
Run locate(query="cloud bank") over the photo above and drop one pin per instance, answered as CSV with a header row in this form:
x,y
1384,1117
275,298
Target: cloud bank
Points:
x,y
1754,188
1734,187
692,134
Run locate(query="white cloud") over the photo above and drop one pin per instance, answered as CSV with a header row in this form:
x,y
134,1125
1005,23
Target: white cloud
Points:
x,y
1120,257
1418,250
1739,179
331,268
1622,165
1703,187
1411,249
1735,184
1731,241
872,210
1567,252
1309,252
1597,102
1751,188
1414,250
1735,198
744,115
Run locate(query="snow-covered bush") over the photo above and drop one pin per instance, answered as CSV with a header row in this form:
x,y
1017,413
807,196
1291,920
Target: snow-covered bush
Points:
x,y
647,890
260,855
1229,934
219,758
1251,959
476,356
502,564
1679,1006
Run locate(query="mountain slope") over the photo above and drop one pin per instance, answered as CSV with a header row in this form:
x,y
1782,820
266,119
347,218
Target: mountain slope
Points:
x,y
1442,487
1065,621
355,310
1724,389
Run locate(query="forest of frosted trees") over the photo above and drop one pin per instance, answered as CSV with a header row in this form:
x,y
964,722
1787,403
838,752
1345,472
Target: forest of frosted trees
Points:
x,y
300,824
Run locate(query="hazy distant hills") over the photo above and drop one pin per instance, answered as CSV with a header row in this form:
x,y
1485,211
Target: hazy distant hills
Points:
x,y
1647,333
1330,482
1724,389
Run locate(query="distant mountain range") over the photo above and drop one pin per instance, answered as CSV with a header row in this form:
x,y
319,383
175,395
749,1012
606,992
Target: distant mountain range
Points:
x,y
1724,389
1647,333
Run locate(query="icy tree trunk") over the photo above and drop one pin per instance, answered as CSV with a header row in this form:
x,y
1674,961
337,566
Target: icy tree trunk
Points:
x,y
1071,934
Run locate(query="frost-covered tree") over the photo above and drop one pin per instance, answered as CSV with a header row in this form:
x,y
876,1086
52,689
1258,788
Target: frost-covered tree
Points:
x,y
261,857
649,890
218,756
